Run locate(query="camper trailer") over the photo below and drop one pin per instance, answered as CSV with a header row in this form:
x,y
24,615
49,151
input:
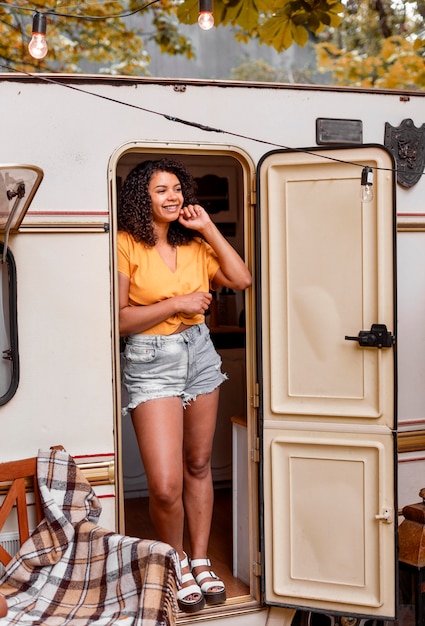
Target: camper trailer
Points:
x,y
320,439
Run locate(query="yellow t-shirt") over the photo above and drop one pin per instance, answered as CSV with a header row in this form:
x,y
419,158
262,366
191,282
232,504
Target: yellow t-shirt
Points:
x,y
151,280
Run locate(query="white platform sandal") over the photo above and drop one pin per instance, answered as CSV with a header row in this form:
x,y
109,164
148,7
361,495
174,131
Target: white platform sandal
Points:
x,y
189,606
211,597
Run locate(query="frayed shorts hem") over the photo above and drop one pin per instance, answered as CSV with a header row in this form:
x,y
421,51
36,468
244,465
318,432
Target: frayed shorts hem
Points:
x,y
185,398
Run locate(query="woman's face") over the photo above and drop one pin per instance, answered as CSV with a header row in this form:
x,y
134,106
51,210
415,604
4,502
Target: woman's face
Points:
x,y
166,197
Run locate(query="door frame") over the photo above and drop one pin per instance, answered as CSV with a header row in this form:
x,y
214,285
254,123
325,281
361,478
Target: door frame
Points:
x,y
247,165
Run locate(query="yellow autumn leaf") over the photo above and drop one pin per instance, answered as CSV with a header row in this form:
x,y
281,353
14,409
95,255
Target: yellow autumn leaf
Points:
x,y
281,32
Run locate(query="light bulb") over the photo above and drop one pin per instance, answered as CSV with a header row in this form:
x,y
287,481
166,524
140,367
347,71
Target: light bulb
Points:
x,y
37,47
206,20
206,16
366,188
366,194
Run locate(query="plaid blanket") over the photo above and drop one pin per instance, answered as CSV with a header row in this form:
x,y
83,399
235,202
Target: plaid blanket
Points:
x,y
71,571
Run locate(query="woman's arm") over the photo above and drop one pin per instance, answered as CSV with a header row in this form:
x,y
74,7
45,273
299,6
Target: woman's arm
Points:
x,y
136,319
232,272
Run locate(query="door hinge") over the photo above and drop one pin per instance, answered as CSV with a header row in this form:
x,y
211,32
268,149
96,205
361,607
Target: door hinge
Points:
x,y
256,568
377,337
255,452
253,191
255,397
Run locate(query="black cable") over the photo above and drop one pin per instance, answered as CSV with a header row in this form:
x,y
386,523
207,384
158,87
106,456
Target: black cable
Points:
x,y
203,127
79,16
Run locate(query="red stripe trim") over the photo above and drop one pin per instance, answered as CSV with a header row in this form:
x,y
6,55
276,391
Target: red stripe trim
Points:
x,y
412,459
90,456
35,213
411,214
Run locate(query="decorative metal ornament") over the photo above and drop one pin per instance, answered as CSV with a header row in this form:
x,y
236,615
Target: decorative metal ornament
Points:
x,y
407,143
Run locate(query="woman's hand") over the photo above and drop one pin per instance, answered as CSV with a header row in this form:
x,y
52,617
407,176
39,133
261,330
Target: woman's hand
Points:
x,y
194,216
193,303
232,272
136,319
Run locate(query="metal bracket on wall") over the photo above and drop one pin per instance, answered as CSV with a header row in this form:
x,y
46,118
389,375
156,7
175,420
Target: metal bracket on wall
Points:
x,y
407,144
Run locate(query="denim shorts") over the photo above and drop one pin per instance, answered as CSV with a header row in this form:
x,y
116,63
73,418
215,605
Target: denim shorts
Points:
x,y
182,365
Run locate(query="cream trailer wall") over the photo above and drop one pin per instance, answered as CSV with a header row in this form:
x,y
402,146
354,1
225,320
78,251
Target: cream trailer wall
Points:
x,y
71,127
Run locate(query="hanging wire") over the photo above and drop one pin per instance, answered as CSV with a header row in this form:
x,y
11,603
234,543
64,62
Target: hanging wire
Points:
x,y
79,16
204,127
198,125
171,118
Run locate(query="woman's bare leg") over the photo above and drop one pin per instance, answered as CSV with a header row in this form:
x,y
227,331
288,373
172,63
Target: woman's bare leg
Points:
x,y
199,426
159,430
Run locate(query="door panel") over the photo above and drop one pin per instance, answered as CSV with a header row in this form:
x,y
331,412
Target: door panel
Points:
x,y
328,407
324,267
331,527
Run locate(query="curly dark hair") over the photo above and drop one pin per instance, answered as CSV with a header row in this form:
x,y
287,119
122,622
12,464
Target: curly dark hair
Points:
x,y
135,210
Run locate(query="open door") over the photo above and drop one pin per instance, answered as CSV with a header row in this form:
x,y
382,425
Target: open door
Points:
x,y
328,381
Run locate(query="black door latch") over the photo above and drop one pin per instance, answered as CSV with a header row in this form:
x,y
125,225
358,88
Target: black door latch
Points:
x,y
377,337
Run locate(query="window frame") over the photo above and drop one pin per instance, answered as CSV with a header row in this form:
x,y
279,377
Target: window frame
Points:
x,y
12,325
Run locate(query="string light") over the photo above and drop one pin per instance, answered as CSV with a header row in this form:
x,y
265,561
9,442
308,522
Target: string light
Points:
x,y
206,16
37,47
366,189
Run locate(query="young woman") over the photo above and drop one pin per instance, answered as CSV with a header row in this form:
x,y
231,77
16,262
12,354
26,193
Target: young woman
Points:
x,y
170,254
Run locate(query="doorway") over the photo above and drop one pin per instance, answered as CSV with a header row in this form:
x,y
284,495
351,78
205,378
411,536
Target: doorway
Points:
x,y
223,180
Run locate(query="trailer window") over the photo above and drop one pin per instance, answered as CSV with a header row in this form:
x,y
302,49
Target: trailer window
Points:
x,y
9,362
18,185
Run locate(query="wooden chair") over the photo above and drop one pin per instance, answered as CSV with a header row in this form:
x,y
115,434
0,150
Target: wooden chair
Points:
x,y
16,479
152,563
